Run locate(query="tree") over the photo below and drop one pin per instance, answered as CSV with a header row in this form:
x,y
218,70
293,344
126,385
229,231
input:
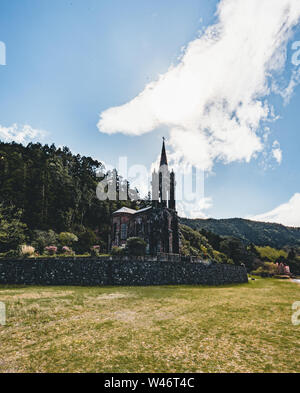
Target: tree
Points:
x,y
12,229
292,255
136,246
237,251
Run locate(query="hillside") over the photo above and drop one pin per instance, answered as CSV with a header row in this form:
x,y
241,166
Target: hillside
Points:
x,y
259,233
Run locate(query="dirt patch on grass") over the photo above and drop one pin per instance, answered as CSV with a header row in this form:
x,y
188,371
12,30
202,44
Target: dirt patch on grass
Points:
x,y
125,316
113,296
163,316
35,295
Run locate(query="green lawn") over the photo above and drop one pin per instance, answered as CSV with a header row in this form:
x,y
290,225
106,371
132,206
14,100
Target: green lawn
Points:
x,y
243,328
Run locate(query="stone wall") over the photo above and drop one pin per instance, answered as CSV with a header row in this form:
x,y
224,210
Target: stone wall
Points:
x,y
99,271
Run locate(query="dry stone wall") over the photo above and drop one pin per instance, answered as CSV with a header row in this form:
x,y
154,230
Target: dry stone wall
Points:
x,y
105,272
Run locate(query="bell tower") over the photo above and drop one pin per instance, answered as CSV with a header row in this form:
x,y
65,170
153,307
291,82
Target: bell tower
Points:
x,y
163,183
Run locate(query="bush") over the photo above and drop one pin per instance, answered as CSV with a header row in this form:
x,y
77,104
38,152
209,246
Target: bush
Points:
x,y
136,246
51,250
86,240
67,238
95,251
268,269
68,251
117,251
221,258
27,251
11,254
43,239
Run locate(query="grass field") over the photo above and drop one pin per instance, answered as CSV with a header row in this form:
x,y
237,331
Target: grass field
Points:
x,y
243,328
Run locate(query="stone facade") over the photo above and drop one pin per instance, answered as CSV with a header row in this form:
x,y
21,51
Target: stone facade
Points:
x,y
158,223
114,272
157,226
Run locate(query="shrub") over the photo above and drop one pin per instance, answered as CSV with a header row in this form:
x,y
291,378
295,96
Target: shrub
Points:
x,y
95,251
67,251
11,254
43,239
221,258
283,269
86,239
136,246
51,250
117,251
268,269
27,251
67,238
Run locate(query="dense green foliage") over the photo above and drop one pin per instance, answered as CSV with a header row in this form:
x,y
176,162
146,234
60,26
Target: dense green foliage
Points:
x,y
195,244
12,229
271,254
267,269
225,249
258,233
136,246
47,188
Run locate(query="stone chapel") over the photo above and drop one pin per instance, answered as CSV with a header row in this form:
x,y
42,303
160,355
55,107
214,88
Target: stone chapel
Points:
x,y
157,224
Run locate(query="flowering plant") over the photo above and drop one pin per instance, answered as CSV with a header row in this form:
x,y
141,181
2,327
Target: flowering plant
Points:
x,y
52,250
67,250
95,251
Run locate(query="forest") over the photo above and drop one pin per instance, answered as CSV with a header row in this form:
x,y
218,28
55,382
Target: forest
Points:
x,y
44,188
259,233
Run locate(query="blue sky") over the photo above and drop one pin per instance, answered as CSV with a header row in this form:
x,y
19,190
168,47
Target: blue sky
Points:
x,y
70,61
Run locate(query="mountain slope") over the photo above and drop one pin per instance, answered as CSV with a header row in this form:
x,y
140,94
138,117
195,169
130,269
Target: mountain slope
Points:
x,y
259,233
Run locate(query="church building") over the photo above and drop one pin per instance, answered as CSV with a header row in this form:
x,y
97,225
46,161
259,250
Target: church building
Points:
x,y
157,224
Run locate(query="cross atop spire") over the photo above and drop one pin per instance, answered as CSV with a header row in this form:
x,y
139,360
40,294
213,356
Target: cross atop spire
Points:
x,y
163,158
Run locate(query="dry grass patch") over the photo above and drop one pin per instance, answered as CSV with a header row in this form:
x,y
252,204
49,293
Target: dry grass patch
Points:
x,y
243,328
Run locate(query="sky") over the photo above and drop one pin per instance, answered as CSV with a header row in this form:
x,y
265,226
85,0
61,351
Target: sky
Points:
x,y
219,79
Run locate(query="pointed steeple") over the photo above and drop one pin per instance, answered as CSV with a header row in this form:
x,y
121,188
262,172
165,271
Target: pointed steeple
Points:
x,y
163,158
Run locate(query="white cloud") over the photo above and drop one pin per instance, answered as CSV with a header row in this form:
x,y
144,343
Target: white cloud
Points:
x,y
194,209
20,134
215,100
287,214
277,152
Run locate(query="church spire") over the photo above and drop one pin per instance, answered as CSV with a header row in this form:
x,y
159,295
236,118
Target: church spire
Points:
x,y
163,158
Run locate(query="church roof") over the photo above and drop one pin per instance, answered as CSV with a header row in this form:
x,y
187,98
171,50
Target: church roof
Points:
x,y
143,210
125,210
